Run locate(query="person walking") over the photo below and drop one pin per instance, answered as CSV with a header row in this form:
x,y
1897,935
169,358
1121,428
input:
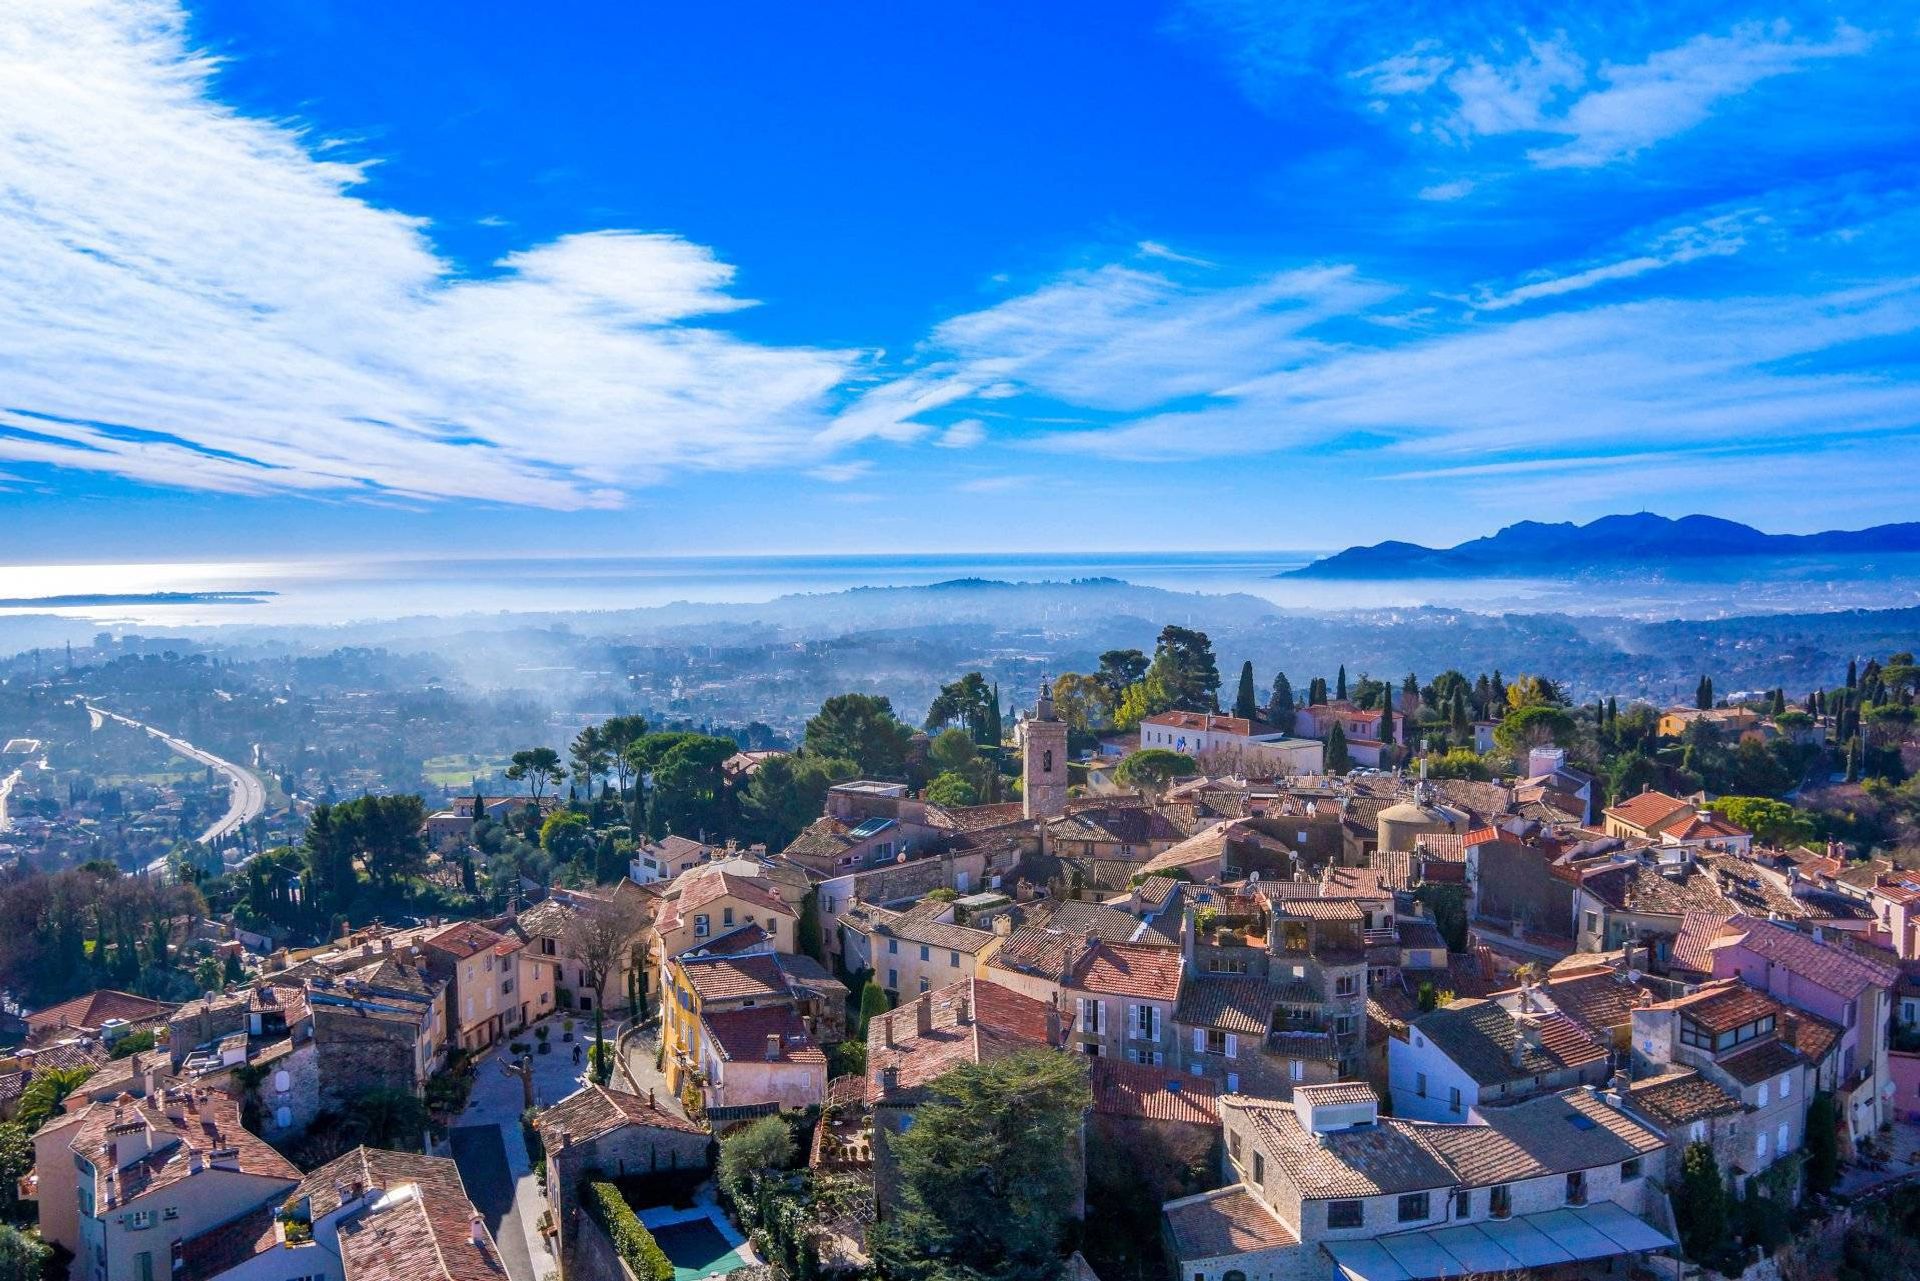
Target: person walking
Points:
x,y
576,1054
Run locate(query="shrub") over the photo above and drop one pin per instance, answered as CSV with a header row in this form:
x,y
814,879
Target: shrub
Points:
x,y
631,1241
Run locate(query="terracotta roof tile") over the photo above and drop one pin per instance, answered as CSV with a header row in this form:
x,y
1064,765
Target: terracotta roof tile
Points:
x,y
1479,1037
595,1110
733,978
1231,1003
999,1021
1128,969
1150,1093
743,1035
1681,1098
1837,969
1227,1222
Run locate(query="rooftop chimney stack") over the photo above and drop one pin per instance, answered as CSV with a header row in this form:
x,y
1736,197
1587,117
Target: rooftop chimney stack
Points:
x,y
773,1047
923,1014
477,1230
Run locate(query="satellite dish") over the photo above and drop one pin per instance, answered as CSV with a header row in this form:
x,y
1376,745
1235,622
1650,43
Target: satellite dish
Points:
x,y
1252,877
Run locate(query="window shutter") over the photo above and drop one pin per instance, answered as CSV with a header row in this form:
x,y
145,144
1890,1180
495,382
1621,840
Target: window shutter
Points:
x,y
1199,1040
1233,1046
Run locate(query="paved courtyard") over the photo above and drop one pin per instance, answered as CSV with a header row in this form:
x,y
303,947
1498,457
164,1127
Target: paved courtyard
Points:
x,y
492,1154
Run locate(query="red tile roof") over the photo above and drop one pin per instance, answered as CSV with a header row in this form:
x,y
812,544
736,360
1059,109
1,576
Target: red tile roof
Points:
x,y
464,939
1146,1093
733,978
1838,969
998,1022
743,1035
1209,720
426,1235
94,1008
595,1110
1128,969
1647,810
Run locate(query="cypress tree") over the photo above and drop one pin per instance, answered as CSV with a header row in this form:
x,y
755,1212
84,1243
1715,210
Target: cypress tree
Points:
x,y
1462,724
1853,674
1339,760
1340,690
1779,702
1613,710
1280,706
993,717
1244,704
1386,724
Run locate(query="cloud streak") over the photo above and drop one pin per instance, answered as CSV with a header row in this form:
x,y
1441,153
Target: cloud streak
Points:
x,y
196,297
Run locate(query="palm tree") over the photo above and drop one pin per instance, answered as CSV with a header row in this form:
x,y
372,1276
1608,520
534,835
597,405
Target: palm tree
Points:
x,y
46,1092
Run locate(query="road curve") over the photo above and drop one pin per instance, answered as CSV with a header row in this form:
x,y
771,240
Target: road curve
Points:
x,y
248,795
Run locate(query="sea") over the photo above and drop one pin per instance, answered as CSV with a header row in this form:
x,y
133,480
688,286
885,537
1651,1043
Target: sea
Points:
x,y
196,595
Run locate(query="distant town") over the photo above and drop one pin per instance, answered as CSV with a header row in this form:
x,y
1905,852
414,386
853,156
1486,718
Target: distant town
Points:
x,y
332,967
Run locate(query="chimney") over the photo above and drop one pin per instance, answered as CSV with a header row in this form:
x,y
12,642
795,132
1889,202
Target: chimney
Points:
x,y
962,1010
193,1160
477,1230
651,1101
773,1047
889,1079
1053,1025
886,1030
923,1014
1003,924
1189,925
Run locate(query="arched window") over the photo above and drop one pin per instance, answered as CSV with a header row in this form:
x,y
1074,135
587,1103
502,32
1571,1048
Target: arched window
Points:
x,y
1046,761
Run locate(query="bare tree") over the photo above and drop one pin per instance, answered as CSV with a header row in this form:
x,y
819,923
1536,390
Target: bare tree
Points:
x,y
599,935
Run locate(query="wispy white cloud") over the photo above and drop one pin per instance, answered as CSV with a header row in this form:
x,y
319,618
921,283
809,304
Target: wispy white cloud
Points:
x,y
1154,249
1453,189
195,297
993,484
1605,111
1717,237
964,434
841,473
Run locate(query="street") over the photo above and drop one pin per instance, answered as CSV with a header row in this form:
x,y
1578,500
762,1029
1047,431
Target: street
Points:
x,y
248,795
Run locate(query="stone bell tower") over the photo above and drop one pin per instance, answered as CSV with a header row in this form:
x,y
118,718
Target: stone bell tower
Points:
x,y
1043,760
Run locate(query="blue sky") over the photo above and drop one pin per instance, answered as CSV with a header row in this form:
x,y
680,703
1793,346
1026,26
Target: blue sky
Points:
x,y
298,278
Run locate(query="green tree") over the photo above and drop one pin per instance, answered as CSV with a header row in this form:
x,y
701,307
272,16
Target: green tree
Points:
x,y
384,833
1145,697
766,1144
860,728
951,789
617,734
1184,659
1458,762
1532,725
1340,689
1244,703
988,1174
1700,1205
1120,668
807,932
591,757
1386,723
1152,768
22,1257
1822,1143
538,767
1703,693
1338,759
873,1003
1083,702
16,1162
688,791
967,701
1772,822
45,1093
1280,709
785,794
564,835
952,749
388,1118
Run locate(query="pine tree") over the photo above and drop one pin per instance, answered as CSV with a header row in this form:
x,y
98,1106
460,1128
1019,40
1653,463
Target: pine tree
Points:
x,y
1853,674
1853,759
1340,690
1244,705
1703,694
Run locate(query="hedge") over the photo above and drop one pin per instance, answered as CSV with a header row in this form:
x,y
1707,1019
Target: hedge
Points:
x,y
634,1244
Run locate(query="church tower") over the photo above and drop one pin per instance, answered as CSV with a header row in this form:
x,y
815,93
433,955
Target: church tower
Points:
x,y
1043,760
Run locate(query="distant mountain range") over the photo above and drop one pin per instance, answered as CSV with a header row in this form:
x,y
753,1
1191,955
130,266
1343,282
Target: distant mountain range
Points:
x,y
1611,544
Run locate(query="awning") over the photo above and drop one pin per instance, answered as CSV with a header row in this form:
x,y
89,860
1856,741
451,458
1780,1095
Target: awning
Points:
x,y
1575,1234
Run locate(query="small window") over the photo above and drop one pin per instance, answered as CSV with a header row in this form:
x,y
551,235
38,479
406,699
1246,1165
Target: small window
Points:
x,y
726,916
1577,1188
1413,1207
1259,1169
1630,1170
1500,1201
926,953
1463,1204
1453,1099
1419,1085
893,947
1346,1214
953,960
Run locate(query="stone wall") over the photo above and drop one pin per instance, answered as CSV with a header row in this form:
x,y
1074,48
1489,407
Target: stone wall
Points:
x,y
361,1052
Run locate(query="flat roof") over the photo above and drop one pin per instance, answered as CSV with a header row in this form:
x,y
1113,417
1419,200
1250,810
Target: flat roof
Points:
x,y
1574,1234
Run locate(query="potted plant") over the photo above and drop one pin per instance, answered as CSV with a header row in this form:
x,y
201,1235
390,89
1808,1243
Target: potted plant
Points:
x,y
566,1029
541,1033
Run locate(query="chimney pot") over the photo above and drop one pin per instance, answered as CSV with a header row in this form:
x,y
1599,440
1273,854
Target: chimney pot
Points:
x,y
923,1014
477,1230
773,1047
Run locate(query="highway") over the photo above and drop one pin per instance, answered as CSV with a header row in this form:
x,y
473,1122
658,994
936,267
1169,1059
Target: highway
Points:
x,y
248,795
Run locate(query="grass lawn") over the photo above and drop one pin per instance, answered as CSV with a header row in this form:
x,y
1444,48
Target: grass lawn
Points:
x,y
697,1250
458,769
